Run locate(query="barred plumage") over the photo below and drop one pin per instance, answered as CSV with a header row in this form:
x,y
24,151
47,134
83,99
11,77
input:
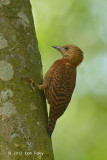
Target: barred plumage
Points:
x,y
60,87
59,82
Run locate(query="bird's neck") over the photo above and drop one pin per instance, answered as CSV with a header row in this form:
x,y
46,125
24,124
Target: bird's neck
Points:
x,y
69,61
73,59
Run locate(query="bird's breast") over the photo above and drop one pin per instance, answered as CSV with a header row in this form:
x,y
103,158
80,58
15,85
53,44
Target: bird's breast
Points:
x,y
61,77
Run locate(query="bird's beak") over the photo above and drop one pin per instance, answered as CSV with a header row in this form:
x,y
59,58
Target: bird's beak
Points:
x,y
57,47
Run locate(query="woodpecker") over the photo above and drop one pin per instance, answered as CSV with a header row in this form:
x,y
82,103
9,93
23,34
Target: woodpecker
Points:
x,y
59,82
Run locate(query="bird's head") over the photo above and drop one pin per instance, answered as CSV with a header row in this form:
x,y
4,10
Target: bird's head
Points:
x,y
71,52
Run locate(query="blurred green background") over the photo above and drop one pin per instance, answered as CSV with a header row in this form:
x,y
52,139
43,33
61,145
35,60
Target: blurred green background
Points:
x,y
81,133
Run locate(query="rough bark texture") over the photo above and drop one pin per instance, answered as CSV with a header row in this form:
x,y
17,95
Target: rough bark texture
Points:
x,y
23,114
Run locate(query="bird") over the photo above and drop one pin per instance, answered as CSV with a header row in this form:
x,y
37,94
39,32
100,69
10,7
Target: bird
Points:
x,y
59,82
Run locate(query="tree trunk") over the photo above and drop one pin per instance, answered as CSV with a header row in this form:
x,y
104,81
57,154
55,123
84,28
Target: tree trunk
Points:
x,y
23,114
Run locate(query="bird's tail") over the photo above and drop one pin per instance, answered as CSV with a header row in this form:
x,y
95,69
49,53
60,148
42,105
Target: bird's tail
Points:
x,y
51,125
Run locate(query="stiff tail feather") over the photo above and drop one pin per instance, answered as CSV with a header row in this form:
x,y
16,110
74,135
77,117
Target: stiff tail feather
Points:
x,y
51,126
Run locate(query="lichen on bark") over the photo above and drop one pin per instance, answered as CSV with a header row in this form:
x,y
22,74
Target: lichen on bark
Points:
x,y
23,113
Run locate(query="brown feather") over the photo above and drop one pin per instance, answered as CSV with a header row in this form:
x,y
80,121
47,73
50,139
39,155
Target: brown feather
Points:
x,y
60,86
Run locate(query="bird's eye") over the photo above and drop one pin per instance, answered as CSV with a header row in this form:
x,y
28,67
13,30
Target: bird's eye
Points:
x,y
66,48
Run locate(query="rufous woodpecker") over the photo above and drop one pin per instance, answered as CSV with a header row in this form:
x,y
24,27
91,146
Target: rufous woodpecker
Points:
x,y
59,82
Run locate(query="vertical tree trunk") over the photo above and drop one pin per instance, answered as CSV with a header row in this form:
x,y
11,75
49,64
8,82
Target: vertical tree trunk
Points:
x,y
23,114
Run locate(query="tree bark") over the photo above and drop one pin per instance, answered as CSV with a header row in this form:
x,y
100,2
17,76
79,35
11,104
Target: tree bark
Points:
x,y
23,113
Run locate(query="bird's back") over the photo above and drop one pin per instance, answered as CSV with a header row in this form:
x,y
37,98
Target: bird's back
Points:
x,y
60,80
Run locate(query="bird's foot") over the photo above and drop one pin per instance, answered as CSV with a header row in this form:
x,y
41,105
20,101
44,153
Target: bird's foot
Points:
x,y
33,83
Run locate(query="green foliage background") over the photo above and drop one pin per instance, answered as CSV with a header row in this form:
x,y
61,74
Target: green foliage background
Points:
x,y
81,133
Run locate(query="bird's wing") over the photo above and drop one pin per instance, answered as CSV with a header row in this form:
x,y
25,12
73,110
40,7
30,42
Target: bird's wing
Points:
x,y
61,86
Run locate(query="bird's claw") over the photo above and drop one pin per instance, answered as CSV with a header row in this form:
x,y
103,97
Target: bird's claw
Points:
x,y
32,83
32,86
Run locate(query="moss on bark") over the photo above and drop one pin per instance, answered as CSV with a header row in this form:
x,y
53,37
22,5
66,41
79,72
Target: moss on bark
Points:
x,y
23,117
